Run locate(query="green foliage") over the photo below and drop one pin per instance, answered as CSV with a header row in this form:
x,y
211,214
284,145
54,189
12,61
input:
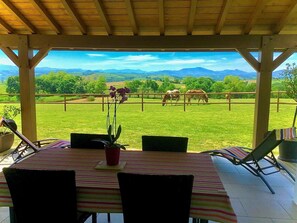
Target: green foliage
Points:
x,y
10,111
290,80
13,85
134,85
166,85
149,86
204,83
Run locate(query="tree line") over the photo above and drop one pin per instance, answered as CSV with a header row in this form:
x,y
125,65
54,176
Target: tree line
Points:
x,y
65,83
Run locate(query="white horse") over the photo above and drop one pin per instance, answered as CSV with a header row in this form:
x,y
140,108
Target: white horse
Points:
x,y
172,95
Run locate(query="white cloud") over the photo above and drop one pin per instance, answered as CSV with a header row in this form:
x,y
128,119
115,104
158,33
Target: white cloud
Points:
x,y
95,55
4,60
139,58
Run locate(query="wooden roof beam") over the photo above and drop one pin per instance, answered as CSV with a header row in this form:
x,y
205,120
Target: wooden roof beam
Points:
x,y
192,15
11,55
253,18
5,26
45,14
222,17
161,17
285,18
75,16
250,59
19,15
101,11
39,56
282,57
131,15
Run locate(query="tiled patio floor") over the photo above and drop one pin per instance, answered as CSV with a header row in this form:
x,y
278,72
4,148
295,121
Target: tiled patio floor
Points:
x,y
251,199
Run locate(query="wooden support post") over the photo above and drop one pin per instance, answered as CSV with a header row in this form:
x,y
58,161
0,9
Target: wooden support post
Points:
x,y
27,89
263,91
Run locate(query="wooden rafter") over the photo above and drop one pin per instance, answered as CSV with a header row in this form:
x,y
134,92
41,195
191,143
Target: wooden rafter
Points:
x,y
39,56
222,16
282,57
5,26
161,17
75,16
285,18
11,55
130,12
253,18
44,12
249,58
192,15
101,11
19,15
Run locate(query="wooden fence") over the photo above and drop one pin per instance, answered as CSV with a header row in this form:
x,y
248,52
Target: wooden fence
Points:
x,y
228,98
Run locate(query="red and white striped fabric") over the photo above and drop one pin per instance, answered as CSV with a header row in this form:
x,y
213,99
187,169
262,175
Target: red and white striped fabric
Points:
x,y
287,133
98,190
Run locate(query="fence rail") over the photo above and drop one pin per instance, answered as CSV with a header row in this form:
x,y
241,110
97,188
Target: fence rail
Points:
x,y
228,98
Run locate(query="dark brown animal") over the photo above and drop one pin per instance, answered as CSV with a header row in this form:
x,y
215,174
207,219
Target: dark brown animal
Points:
x,y
197,94
172,95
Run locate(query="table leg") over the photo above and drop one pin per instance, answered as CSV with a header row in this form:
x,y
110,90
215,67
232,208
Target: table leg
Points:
x,y
11,215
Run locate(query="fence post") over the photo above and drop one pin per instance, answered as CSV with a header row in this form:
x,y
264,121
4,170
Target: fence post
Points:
x,y
277,102
142,106
102,100
229,100
65,109
184,102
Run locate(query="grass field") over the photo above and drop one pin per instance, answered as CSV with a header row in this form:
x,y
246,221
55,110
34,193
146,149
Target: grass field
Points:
x,y
207,126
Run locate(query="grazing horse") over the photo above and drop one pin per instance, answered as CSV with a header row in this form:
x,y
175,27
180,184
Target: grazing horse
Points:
x,y
197,94
174,94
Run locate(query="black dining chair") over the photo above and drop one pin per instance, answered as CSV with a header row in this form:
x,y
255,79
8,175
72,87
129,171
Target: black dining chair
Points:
x,y
88,141
45,196
155,198
164,143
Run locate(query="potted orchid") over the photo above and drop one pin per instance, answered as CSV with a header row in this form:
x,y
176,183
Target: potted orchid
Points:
x,y
112,147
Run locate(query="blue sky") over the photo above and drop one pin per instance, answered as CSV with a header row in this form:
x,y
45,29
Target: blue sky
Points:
x,y
147,61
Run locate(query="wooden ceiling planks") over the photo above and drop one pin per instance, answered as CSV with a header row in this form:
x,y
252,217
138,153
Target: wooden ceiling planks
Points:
x,y
148,17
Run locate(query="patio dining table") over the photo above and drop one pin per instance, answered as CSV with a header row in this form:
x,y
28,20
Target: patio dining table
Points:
x,y
98,189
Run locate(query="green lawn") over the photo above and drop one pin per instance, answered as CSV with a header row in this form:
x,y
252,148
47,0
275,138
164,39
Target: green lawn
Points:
x,y
207,126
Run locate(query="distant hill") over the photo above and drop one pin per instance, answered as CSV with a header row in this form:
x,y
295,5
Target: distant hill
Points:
x,y
129,74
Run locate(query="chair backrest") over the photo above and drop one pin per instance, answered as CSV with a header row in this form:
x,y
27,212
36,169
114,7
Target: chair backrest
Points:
x,y
155,198
87,140
164,143
9,123
265,147
42,195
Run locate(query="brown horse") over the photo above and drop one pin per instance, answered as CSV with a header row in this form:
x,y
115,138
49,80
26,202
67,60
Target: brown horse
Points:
x,y
197,94
174,94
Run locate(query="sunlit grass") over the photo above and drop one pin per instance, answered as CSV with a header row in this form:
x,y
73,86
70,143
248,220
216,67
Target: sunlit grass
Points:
x,y
207,126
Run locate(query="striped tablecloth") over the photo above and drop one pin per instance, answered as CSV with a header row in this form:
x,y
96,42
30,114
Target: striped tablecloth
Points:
x,y
98,190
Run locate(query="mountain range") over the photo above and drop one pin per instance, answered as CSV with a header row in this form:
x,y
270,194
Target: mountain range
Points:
x,y
128,74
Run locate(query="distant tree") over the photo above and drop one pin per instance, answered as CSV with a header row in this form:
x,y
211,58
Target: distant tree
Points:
x,y
290,80
60,83
13,85
134,85
218,86
204,83
100,85
166,85
234,84
150,86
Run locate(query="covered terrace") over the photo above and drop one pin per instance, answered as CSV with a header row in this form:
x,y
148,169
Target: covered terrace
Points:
x,y
263,26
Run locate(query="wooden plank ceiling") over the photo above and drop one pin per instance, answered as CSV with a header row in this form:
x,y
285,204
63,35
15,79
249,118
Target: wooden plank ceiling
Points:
x,y
148,17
